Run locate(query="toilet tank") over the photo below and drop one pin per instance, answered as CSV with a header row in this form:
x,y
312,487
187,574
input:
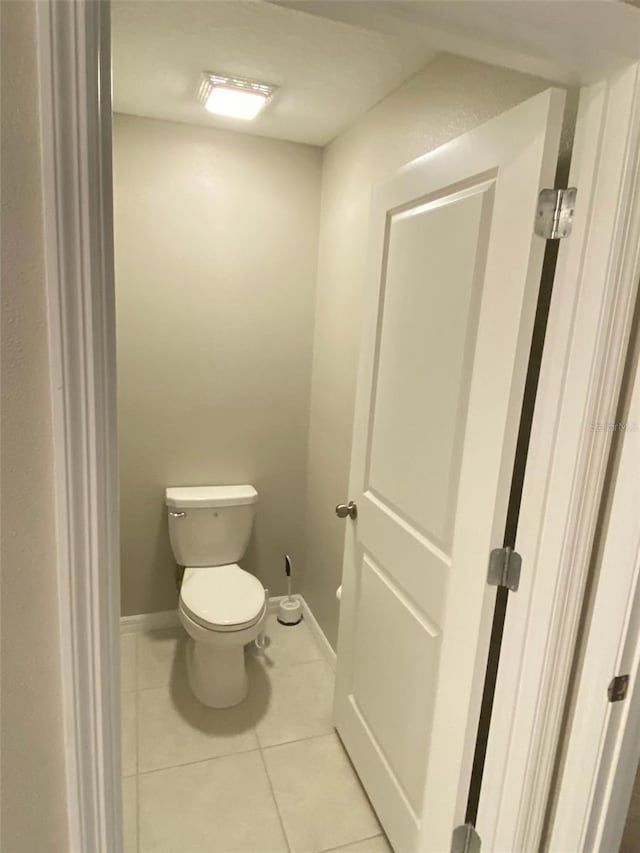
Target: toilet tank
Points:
x,y
210,525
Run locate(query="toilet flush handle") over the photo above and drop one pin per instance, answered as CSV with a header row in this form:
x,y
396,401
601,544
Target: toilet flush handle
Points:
x,y
174,514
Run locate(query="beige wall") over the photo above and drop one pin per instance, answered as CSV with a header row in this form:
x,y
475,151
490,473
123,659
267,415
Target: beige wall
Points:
x,y
32,758
448,97
216,247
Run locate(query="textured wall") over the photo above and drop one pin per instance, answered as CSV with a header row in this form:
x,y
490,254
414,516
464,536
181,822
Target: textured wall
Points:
x,y
32,768
448,97
216,247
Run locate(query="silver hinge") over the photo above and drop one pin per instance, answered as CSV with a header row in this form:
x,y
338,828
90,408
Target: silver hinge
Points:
x,y
617,690
554,216
504,568
465,839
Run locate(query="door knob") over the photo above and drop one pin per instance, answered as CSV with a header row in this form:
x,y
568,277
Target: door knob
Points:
x,y
344,510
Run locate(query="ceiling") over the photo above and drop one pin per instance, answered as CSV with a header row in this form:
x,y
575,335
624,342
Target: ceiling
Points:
x,y
567,41
329,72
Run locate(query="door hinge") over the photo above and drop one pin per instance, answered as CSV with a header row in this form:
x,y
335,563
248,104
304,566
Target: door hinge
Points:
x,y
504,568
554,216
465,839
617,690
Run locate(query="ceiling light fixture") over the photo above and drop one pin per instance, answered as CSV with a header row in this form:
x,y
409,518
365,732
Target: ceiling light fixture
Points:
x,y
233,96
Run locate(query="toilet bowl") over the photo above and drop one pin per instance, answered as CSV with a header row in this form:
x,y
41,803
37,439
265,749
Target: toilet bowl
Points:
x,y
222,607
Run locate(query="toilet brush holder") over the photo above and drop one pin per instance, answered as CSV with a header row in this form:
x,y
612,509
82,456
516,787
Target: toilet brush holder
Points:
x,y
289,609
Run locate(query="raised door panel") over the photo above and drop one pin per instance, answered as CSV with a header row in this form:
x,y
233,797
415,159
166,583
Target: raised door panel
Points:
x,y
431,286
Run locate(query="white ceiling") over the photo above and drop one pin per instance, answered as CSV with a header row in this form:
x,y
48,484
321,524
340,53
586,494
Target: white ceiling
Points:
x,y
568,41
329,72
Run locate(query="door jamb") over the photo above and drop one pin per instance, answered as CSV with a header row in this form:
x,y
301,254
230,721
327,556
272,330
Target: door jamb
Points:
x,y
580,379
599,759
74,63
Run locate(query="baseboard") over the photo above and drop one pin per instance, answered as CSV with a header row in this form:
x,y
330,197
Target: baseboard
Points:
x,y
169,619
149,621
320,637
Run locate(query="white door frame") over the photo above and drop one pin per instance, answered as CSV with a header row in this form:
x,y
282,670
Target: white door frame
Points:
x,y
583,361
601,753
75,78
584,351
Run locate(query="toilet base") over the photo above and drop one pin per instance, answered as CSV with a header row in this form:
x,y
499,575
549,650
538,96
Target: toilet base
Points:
x,y
217,674
216,666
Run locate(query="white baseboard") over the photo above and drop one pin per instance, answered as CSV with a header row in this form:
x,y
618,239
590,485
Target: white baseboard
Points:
x,y
149,621
312,623
274,601
320,637
169,619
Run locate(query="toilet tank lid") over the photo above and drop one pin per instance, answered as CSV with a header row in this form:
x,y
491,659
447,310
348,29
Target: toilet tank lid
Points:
x,y
204,496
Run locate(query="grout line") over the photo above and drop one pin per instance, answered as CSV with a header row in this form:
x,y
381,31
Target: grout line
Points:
x,y
198,761
256,748
299,740
275,800
280,666
357,841
164,684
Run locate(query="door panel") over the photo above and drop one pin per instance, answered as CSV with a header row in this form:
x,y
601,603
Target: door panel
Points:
x,y
432,280
416,640
452,286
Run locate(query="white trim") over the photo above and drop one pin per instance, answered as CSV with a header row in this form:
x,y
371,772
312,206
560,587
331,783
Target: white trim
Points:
x,y
588,816
169,619
603,747
149,621
312,623
319,636
274,601
74,63
581,373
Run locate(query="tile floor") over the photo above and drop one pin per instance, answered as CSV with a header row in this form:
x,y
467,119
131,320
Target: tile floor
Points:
x,y
269,776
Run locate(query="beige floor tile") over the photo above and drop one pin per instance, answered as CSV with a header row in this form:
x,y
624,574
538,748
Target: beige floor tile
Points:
x,y
128,662
128,733
174,728
299,704
378,844
219,806
289,643
318,794
161,656
130,814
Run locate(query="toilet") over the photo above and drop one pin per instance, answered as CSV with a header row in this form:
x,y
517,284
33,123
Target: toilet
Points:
x,y
222,607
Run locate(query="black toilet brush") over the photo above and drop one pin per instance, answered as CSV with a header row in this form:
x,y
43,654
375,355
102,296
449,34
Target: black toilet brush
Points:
x,y
289,609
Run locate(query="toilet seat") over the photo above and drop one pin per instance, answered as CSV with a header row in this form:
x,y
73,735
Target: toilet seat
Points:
x,y
222,598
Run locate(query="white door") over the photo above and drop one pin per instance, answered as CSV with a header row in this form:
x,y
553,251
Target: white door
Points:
x,y
451,295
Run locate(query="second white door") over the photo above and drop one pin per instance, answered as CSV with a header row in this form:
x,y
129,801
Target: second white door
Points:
x,y
454,271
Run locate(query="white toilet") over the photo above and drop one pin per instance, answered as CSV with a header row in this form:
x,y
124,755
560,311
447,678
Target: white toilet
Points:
x,y
222,607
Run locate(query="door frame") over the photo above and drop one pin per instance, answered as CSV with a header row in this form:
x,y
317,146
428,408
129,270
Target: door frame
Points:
x,y
583,360
599,760
74,59
587,336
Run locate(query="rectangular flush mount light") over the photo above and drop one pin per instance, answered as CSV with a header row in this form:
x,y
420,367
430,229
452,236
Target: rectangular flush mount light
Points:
x,y
232,96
